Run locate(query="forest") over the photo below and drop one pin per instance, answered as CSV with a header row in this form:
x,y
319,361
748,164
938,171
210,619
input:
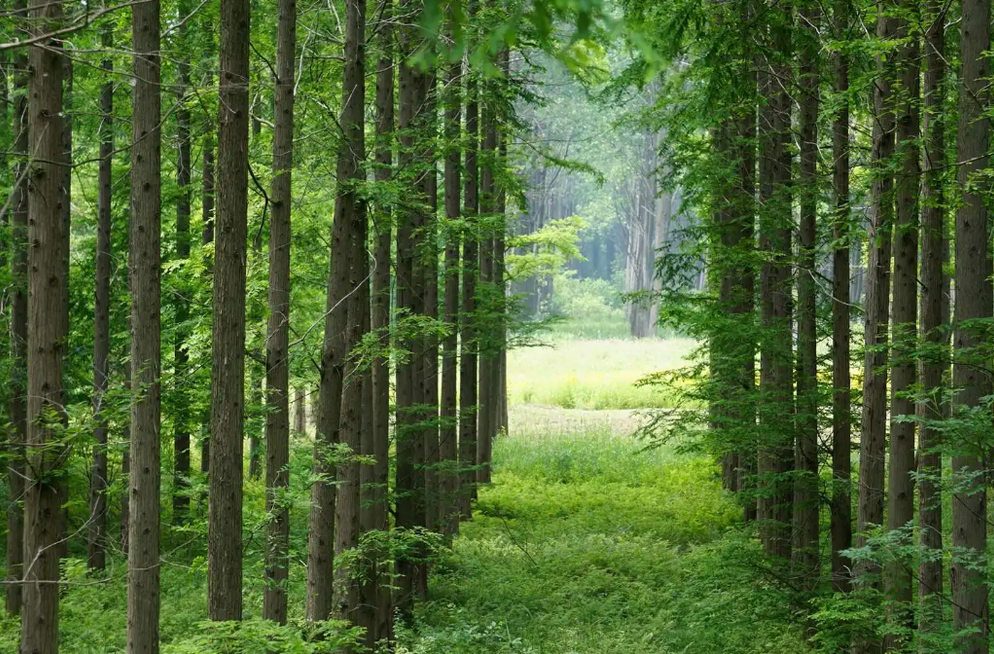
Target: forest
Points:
x,y
461,326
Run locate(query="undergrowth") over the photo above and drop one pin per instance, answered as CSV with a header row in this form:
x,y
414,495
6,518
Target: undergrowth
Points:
x,y
586,543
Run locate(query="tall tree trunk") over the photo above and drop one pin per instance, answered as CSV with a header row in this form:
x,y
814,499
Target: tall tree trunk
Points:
x,y
380,320
934,309
274,599
971,368
900,495
144,278
410,286
224,543
449,425
97,526
429,255
46,335
805,549
207,238
485,291
18,330
321,539
776,452
841,501
181,435
870,509
468,336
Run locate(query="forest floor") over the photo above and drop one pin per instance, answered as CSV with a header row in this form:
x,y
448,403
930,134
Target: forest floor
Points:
x,y
588,542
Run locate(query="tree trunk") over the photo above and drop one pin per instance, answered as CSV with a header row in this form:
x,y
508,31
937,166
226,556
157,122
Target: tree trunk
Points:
x,y
841,502
900,494
144,279
46,334
776,452
429,255
348,211
468,337
934,309
274,599
449,425
874,418
97,526
18,331
299,411
207,195
971,368
380,322
485,291
181,435
224,544
805,549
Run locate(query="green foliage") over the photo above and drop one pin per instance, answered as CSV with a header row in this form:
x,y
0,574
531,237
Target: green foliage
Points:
x,y
586,543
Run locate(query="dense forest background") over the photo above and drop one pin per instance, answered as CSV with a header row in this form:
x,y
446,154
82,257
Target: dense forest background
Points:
x,y
495,326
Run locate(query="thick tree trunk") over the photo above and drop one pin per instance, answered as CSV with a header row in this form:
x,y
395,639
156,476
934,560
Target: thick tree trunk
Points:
x,y
97,526
870,509
46,332
380,323
841,501
776,451
274,599
971,368
18,332
934,309
224,543
144,280
321,539
805,549
901,464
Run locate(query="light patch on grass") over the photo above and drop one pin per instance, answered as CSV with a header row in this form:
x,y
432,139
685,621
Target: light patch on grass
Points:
x,y
594,374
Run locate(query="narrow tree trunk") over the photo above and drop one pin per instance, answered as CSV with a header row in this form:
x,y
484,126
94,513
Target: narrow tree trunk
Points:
x,y
450,381
841,502
18,331
181,435
900,494
429,255
366,612
255,421
299,411
934,309
274,599
971,368
805,549
207,238
380,321
468,336
870,510
224,543
485,293
46,334
126,459
97,526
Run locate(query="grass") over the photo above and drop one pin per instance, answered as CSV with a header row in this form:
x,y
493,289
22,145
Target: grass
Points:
x,y
585,543
597,374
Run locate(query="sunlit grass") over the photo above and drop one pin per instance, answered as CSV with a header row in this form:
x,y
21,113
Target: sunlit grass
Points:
x,y
594,374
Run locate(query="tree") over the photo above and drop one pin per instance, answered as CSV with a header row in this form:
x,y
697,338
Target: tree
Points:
x,y
224,551
278,333
46,331
101,317
900,495
934,309
841,514
18,330
974,300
